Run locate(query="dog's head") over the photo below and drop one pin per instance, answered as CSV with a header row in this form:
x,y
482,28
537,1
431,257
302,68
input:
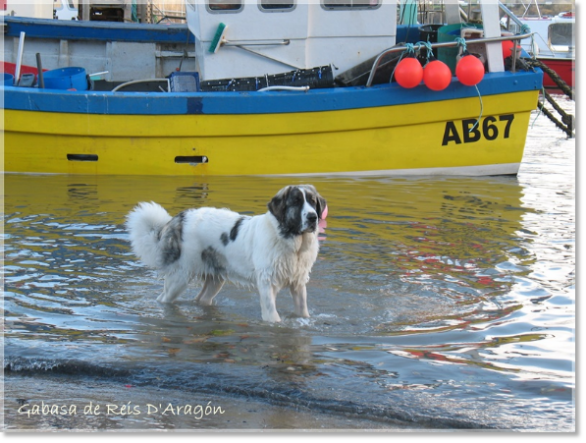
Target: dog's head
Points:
x,y
297,209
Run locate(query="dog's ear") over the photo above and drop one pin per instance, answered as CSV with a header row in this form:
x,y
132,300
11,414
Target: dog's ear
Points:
x,y
277,205
320,201
321,205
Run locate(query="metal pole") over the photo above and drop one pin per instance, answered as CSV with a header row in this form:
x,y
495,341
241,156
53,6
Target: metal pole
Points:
x,y
40,71
19,57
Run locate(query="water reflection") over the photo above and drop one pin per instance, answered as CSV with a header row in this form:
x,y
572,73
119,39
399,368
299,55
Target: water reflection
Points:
x,y
421,285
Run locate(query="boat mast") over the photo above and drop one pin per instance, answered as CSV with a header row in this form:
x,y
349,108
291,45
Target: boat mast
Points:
x,y
528,6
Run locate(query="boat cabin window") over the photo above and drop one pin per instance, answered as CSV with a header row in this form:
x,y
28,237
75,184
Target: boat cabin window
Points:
x,y
350,4
276,5
561,34
224,5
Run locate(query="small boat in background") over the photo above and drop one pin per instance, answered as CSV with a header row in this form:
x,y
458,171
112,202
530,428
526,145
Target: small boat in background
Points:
x,y
553,41
259,87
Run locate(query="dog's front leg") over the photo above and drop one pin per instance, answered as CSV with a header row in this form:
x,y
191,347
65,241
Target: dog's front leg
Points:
x,y
299,293
268,305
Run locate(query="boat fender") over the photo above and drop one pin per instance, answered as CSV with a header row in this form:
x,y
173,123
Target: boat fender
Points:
x,y
508,46
409,72
437,75
470,70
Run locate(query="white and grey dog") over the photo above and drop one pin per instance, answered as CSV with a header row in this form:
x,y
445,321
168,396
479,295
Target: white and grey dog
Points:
x,y
272,251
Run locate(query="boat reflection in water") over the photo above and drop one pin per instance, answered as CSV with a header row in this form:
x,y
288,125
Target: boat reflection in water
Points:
x,y
420,299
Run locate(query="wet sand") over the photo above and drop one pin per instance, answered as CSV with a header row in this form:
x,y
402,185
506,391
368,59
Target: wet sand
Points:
x,y
56,403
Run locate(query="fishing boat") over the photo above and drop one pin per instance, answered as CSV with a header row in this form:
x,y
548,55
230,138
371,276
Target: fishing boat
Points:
x,y
259,87
552,41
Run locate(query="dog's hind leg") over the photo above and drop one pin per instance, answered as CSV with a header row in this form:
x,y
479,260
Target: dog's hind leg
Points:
x,y
175,285
211,287
299,293
268,303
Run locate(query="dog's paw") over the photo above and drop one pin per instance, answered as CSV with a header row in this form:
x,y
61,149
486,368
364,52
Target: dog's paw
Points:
x,y
272,318
163,299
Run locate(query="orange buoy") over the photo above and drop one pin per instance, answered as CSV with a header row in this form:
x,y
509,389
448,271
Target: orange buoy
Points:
x,y
409,72
437,75
508,46
469,70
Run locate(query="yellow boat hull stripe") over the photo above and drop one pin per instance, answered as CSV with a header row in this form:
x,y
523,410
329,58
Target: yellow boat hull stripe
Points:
x,y
390,138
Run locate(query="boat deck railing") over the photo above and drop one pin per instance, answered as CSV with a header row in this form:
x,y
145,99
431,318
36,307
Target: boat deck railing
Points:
x,y
452,44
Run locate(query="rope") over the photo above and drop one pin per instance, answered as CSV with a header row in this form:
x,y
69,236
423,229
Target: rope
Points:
x,y
567,130
461,42
481,109
567,119
567,123
538,107
427,45
410,49
554,76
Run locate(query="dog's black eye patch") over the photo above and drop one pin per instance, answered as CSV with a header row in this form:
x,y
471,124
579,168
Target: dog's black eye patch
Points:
x,y
295,197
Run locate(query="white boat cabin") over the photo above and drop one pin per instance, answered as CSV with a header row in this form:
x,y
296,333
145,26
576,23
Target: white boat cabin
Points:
x,y
239,39
252,38
271,36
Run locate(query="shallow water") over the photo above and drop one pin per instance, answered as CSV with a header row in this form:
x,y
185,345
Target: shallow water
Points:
x,y
435,303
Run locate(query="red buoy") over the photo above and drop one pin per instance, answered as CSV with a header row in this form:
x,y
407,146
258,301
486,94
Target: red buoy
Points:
x,y
508,46
409,72
437,75
469,70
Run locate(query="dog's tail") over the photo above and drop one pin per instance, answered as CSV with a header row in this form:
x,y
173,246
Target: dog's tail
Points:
x,y
144,224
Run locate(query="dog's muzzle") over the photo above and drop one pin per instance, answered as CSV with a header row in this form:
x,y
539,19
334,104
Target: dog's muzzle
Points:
x,y
311,222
